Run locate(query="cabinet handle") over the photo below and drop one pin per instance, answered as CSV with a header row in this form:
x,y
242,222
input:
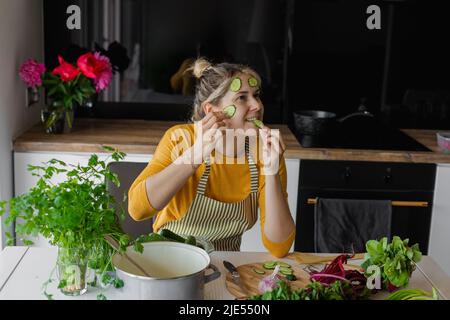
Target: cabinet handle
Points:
x,y
394,203
347,174
388,176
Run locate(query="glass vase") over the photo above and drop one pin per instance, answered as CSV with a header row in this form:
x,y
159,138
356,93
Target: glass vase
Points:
x,y
57,121
72,266
99,264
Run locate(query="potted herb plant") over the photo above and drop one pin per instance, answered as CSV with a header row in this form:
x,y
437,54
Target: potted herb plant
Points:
x,y
73,215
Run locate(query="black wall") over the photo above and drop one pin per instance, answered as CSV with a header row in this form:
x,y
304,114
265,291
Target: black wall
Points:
x,y
336,60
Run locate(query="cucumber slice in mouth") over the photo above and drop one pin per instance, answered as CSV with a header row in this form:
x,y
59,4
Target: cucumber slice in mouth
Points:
x,y
258,123
230,110
236,85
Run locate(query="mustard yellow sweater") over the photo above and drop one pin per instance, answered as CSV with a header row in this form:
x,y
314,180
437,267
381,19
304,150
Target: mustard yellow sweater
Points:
x,y
226,183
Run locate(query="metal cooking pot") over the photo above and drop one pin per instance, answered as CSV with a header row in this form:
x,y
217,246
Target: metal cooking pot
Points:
x,y
177,269
314,122
317,128
318,122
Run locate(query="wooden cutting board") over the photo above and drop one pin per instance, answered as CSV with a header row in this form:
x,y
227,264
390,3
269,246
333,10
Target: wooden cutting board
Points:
x,y
250,279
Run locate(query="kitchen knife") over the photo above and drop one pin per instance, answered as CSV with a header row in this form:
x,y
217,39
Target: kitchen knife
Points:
x,y
235,276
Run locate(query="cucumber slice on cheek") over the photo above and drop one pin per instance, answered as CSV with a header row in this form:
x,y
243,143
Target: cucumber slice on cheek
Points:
x,y
230,110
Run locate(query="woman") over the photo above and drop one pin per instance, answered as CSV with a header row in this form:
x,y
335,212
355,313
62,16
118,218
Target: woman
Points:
x,y
203,181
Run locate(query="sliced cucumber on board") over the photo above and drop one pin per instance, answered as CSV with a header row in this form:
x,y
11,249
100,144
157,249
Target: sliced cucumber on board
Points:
x,y
259,271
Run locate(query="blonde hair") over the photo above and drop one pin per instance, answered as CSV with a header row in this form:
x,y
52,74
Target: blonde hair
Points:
x,y
213,82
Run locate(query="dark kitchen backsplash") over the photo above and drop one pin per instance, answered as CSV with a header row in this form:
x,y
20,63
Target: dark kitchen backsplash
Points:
x,y
311,54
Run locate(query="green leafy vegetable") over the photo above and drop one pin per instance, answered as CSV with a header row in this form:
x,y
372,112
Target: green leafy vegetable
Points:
x,y
116,282
396,260
414,294
291,277
314,291
101,296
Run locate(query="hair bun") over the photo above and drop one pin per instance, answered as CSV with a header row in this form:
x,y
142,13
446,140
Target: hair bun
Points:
x,y
199,67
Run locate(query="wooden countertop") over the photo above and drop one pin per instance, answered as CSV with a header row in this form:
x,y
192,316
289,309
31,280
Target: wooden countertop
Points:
x,y
142,137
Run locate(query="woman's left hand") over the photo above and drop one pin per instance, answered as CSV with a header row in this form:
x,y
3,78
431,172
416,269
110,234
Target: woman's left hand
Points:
x,y
273,147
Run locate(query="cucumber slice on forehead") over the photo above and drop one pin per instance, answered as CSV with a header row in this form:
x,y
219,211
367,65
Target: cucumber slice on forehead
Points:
x,y
252,82
230,110
236,85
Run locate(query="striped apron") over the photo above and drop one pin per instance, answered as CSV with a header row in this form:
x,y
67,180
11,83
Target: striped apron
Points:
x,y
222,223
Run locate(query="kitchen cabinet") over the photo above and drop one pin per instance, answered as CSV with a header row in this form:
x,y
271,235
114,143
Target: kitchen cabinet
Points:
x,y
440,220
23,181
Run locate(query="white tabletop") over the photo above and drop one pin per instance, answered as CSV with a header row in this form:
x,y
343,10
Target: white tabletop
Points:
x,y
23,271
10,258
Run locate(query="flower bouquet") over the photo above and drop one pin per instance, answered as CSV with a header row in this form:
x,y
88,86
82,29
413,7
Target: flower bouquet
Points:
x,y
67,85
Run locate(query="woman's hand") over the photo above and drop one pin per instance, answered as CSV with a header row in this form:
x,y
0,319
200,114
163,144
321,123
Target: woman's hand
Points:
x,y
273,147
208,131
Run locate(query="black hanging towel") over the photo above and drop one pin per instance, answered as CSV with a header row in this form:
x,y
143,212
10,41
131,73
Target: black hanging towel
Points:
x,y
345,224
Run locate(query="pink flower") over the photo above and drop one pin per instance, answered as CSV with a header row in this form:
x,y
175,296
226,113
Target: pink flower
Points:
x,y
65,70
31,73
96,67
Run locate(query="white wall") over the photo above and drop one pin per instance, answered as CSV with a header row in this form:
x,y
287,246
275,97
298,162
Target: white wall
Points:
x,y
21,37
439,247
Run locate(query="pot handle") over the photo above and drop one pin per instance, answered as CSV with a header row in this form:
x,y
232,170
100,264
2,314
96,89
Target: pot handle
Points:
x,y
214,275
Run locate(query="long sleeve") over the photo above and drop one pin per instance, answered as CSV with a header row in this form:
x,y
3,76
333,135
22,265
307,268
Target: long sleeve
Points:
x,y
276,249
139,204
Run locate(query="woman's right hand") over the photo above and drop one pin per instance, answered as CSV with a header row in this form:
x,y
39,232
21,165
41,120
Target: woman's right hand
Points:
x,y
210,127
207,134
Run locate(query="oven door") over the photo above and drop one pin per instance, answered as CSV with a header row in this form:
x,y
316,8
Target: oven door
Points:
x,y
411,222
371,181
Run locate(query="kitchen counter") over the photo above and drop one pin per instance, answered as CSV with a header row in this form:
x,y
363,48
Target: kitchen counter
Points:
x,y
24,270
142,137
